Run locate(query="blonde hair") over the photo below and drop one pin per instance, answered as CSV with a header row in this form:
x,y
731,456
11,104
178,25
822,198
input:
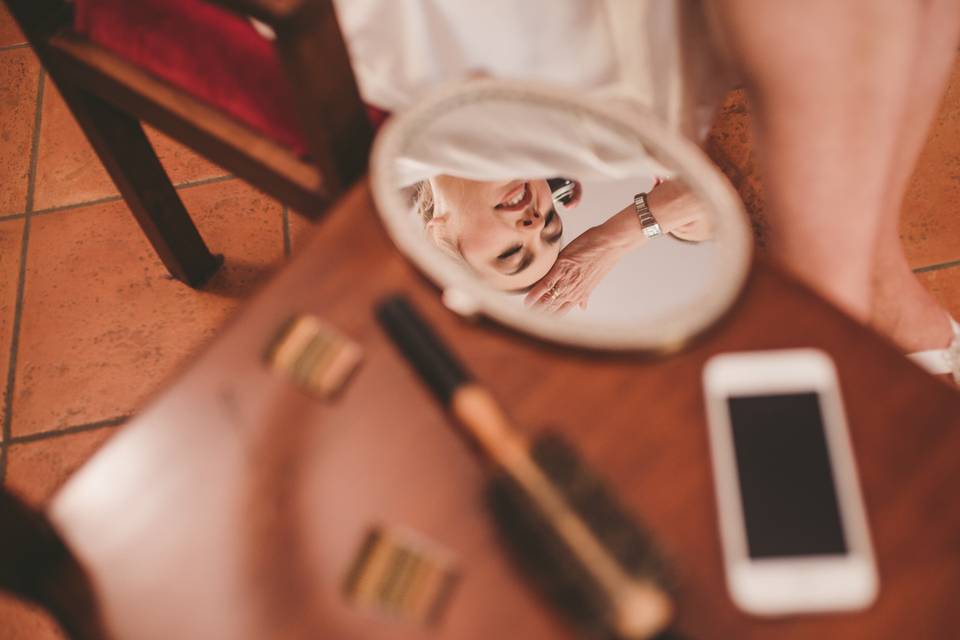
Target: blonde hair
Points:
x,y
425,206
423,200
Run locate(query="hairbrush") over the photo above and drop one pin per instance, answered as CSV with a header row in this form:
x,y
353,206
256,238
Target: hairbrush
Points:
x,y
563,527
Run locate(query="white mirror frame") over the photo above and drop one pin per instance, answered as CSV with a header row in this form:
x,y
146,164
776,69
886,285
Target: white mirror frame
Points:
x,y
467,295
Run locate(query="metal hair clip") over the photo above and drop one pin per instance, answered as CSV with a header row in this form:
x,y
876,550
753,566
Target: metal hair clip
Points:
x,y
314,355
401,575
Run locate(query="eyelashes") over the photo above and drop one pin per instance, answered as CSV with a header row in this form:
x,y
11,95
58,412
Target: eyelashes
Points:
x,y
516,253
509,253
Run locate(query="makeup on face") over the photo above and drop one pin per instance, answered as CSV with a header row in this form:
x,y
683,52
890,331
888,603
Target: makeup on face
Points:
x,y
518,257
508,231
517,198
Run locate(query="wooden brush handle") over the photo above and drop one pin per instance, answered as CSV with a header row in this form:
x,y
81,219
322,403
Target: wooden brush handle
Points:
x,y
639,607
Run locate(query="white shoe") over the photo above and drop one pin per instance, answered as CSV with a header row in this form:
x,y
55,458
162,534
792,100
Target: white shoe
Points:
x,y
938,361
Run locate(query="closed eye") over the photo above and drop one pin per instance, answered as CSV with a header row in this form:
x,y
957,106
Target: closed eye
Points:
x,y
513,260
512,251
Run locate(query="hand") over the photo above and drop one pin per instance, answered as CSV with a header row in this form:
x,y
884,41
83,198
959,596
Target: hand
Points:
x,y
676,207
581,266
696,231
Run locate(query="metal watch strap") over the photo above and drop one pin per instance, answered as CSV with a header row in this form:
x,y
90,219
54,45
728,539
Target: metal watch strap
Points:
x,y
651,228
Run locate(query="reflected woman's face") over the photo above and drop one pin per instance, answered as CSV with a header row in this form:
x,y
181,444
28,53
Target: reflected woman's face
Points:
x,y
508,232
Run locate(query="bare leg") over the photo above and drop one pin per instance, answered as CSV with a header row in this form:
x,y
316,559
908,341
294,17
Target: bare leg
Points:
x,y
902,308
830,83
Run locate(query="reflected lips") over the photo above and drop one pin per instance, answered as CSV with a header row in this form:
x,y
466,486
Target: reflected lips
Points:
x,y
525,196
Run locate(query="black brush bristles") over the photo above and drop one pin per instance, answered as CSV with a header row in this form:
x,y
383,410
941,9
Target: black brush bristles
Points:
x,y
546,559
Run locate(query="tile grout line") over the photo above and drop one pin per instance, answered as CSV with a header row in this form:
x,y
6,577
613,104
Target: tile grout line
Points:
x,y
285,219
15,335
80,428
113,198
35,144
21,276
202,182
76,205
938,266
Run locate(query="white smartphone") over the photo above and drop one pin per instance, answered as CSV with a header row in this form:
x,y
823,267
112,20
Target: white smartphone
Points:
x,y
792,522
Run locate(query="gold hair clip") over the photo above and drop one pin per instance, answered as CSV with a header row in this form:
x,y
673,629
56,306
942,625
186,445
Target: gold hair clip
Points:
x,y
314,355
401,575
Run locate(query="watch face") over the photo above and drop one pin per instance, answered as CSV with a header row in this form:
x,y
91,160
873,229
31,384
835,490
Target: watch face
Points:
x,y
652,231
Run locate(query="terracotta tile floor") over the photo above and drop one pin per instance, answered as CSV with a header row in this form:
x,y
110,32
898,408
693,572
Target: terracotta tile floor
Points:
x,y
90,321
9,32
90,324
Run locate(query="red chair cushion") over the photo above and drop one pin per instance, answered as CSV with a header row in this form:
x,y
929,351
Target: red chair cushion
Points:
x,y
206,51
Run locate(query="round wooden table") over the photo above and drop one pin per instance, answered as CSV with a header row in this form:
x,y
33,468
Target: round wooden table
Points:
x,y
234,504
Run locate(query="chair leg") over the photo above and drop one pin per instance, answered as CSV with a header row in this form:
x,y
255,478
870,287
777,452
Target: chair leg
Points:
x,y
132,162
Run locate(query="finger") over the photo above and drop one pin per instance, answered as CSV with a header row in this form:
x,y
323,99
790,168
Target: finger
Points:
x,y
551,307
540,288
563,302
542,285
543,301
549,303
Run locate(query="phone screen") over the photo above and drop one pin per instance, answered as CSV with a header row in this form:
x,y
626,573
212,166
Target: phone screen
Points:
x,y
787,488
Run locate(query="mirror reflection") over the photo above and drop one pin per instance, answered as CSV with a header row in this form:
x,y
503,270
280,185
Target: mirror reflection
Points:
x,y
558,241
552,209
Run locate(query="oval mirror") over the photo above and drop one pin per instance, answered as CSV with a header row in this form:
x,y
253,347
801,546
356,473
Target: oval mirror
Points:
x,y
582,222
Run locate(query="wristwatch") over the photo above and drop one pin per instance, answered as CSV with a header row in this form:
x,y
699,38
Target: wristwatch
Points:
x,y
651,228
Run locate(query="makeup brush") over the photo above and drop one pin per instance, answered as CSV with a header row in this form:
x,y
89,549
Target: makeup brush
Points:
x,y
562,526
562,189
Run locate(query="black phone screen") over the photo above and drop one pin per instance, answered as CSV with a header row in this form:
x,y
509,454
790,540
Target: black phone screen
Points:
x,y
787,488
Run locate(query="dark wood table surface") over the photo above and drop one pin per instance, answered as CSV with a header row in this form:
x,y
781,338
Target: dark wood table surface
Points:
x,y
233,504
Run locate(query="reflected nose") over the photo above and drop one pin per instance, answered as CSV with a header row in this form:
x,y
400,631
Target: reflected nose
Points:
x,y
529,219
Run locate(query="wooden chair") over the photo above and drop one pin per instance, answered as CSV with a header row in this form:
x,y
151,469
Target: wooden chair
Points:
x,y
304,160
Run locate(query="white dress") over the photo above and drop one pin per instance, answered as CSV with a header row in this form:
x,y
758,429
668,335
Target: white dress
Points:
x,y
654,54
658,51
